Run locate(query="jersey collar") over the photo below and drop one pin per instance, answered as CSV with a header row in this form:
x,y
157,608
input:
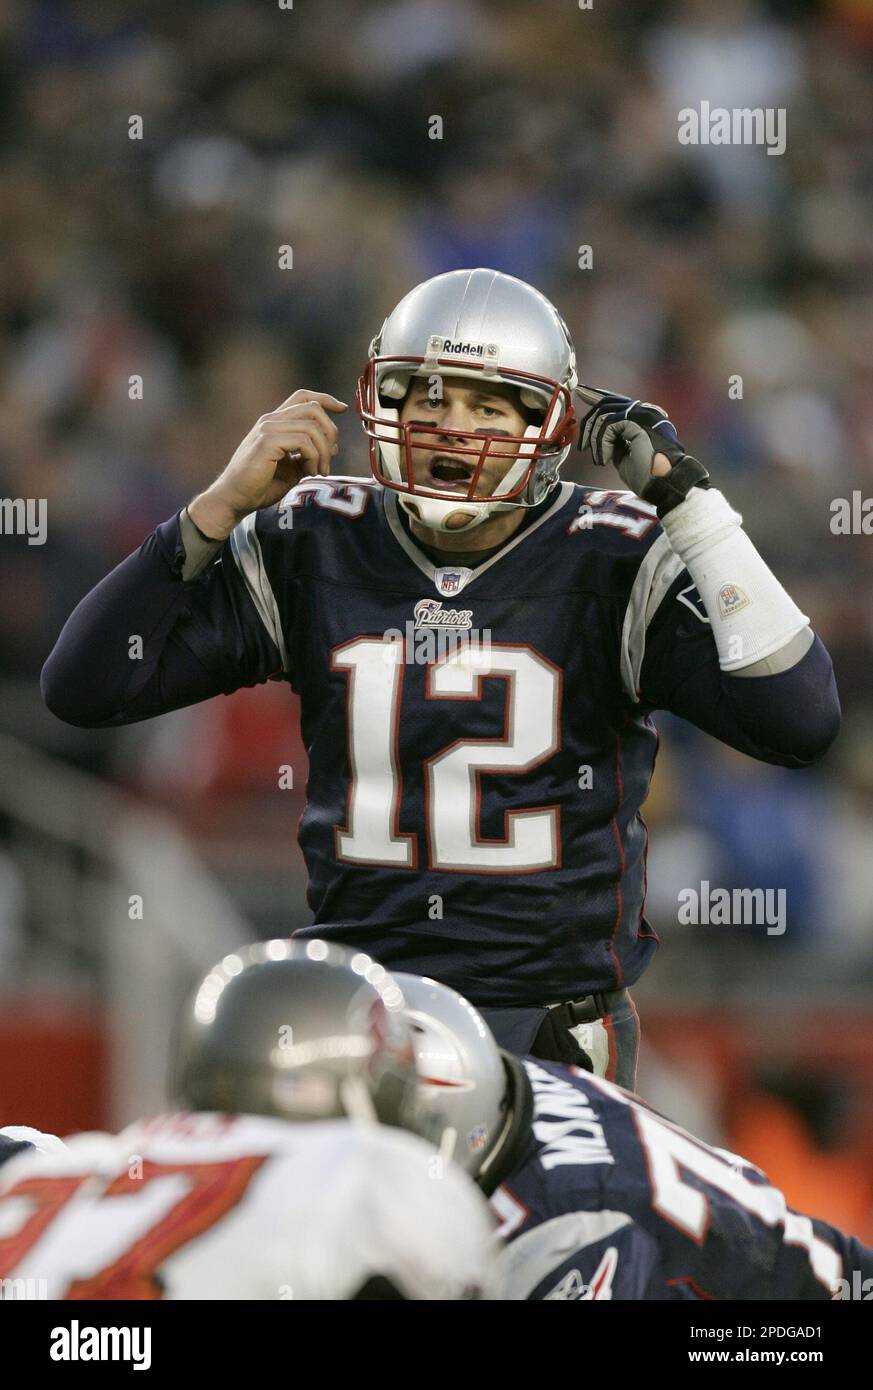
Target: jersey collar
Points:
x,y
467,575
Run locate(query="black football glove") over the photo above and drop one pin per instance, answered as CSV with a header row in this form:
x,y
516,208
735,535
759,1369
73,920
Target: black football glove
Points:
x,y
628,434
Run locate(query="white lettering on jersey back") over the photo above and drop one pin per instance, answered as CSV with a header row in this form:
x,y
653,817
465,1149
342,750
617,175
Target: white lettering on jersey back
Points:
x,y
565,1122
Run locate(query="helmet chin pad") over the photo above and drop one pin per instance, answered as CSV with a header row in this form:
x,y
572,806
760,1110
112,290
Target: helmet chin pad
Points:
x,y
435,514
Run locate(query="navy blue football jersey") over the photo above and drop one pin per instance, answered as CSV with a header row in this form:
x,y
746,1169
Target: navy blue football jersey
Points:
x,y
480,738
611,1200
478,756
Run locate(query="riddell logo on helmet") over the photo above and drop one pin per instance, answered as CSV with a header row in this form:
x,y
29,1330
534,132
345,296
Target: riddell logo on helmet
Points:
x,y
463,349
437,345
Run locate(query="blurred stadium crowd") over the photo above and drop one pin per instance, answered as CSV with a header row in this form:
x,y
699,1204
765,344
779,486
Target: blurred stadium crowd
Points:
x,y
308,127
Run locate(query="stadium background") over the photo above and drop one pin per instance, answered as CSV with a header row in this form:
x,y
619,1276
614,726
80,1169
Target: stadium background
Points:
x,y
309,128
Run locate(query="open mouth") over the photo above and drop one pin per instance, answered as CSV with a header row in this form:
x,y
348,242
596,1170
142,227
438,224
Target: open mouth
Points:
x,y
449,474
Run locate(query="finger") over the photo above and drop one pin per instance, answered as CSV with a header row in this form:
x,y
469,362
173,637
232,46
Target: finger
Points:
x,y
303,438
594,395
322,446
591,395
603,407
598,438
314,413
323,398
588,428
588,424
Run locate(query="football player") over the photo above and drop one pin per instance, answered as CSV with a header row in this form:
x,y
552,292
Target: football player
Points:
x,y
257,1186
598,1196
478,649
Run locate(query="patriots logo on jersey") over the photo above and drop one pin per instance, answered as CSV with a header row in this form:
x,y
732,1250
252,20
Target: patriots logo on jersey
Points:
x,y
572,1288
429,612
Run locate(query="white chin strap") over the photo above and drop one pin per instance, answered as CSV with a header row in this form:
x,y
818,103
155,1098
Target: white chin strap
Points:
x,y
436,515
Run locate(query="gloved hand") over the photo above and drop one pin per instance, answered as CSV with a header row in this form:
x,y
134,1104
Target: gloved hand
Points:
x,y
628,434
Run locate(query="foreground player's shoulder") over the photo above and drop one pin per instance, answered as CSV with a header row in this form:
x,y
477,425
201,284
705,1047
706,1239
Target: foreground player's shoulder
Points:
x,y
372,1202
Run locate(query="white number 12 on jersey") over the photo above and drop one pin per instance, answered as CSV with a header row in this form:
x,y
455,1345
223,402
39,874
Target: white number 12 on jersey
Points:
x,y
371,834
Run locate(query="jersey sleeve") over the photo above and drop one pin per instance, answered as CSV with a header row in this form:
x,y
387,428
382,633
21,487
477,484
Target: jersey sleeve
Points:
x,y
788,719
581,1257
818,1261
423,1224
144,641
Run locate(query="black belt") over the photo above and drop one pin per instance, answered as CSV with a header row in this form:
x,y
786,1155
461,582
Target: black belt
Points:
x,y
591,1007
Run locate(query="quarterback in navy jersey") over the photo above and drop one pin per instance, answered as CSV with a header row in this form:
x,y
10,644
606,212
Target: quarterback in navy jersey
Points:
x,y
598,1196
478,648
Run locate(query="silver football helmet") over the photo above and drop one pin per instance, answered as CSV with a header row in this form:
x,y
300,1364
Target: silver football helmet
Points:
x,y
304,1030
462,1081
485,326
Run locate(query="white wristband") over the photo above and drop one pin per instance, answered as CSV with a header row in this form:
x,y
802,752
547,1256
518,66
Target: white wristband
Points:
x,y
751,614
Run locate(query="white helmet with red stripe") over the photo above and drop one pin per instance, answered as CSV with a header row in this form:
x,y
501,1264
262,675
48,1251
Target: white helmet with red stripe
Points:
x,y
486,327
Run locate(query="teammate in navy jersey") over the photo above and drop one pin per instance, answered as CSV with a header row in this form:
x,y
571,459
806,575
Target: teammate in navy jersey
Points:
x,y
478,648
599,1196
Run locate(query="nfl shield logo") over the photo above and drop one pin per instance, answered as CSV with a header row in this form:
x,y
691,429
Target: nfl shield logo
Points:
x,y
451,581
